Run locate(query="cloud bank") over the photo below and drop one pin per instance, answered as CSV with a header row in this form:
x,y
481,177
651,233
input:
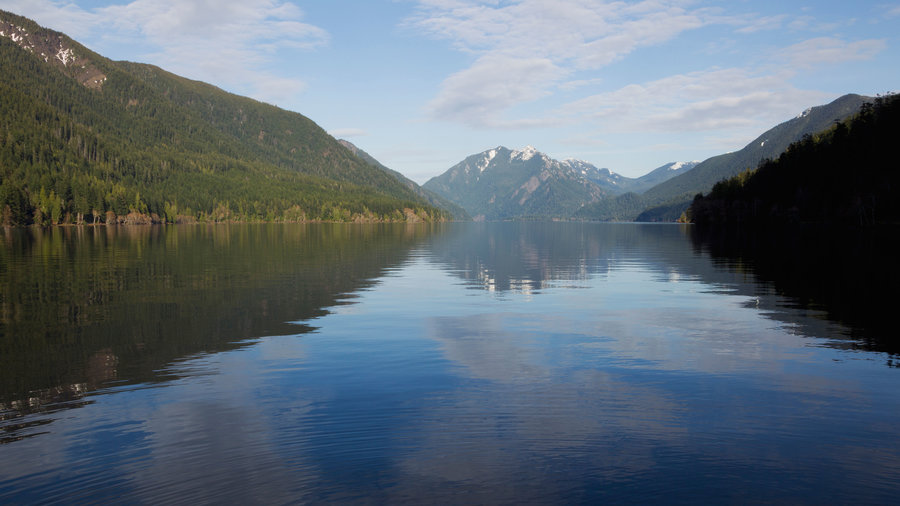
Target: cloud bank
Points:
x,y
528,52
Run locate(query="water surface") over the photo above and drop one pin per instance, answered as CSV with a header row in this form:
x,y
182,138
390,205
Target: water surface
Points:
x,y
456,363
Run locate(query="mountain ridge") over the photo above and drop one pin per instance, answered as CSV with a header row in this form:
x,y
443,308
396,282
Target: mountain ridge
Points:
x,y
503,183
668,200
662,194
768,145
141,144
810,183
457,212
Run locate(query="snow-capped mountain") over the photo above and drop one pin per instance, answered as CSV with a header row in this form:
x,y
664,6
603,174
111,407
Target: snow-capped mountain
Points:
x,y
604,177
501,183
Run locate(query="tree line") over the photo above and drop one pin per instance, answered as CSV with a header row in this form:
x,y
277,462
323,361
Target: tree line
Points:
x,y
149,146
847,174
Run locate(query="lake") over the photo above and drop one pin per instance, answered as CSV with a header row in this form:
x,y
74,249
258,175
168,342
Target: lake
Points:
x,y
448,363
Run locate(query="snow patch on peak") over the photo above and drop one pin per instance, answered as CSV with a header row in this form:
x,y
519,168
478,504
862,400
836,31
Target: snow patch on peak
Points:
x,y
804,113
578,165
680,165
484,162
526,153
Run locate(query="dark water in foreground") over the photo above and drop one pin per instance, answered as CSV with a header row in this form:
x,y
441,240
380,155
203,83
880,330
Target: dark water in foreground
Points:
x,y
461,363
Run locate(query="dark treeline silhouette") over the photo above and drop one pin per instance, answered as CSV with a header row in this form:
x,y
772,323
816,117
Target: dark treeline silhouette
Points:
x,y
845,175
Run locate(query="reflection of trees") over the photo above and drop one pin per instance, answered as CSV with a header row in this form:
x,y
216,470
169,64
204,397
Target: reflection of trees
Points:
x,y
100,368
792,276
80,306
819,268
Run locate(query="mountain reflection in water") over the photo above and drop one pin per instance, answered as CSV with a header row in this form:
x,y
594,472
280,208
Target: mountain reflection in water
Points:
x,y
452,363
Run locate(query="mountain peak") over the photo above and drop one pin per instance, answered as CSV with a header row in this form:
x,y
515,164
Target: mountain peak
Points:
x,y
526,153
503,184
487,157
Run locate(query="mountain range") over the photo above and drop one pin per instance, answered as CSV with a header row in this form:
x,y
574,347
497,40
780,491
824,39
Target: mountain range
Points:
x,y
516,184
845,176
666,201
500,183
84,139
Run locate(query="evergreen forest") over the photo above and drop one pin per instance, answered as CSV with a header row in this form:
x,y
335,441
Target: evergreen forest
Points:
x,y
132,143
847,175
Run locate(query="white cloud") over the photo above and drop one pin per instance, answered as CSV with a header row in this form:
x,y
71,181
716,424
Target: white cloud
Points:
x,y
763,24
478,95
215,23
535,44
698,101
527,50
578,83
66,17
812,24
589,33
829,50
217,40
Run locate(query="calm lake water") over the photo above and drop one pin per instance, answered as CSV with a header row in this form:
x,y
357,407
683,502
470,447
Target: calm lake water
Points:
x,y
449,364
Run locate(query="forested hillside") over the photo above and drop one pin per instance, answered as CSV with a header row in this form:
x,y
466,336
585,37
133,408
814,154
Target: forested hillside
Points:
x,y
848,174
668,200
455,212
84,139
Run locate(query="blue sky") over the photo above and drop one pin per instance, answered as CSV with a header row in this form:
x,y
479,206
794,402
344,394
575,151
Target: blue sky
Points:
x,y
421,84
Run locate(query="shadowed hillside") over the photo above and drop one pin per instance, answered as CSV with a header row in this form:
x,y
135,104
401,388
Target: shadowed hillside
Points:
x,y
846,175
668,200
